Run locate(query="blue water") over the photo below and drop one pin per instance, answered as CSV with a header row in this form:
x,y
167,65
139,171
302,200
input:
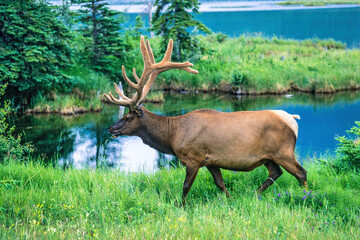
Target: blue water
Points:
x,y
341,24
83,140
319,125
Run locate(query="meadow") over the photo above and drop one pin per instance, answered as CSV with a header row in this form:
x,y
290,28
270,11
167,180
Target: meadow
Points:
x,y
45,202
257,65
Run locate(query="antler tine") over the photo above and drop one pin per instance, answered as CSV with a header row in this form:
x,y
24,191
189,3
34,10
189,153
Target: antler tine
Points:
x,y
153,76
145,54
190,70
151,54
135,75
112,99
167,56
120,93
148,86
133,85
150,72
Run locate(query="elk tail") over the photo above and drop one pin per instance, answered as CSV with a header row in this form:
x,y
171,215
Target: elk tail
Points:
x,y
296,116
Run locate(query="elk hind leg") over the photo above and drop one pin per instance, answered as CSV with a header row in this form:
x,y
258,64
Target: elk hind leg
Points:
x,y
219,181
274,173
295,169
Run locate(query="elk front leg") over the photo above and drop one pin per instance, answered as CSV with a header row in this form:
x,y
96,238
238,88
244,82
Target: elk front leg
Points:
x,y
191,172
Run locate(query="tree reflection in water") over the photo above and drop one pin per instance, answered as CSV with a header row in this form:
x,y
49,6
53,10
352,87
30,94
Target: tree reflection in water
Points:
x,y
83,141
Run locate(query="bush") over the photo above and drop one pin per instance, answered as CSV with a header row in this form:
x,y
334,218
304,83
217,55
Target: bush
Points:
x,y
10,147
349,148
240,79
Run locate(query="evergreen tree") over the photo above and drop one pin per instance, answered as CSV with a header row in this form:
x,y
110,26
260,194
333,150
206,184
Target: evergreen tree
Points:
x,y
102,26
66,15
34,48
172,19
139,27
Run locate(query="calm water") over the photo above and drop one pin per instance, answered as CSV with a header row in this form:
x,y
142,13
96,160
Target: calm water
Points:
x,y
341,24
83,141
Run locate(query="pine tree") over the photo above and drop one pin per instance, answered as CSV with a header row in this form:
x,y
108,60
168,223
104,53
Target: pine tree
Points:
x,y
102,26
139,27
34,48
172,19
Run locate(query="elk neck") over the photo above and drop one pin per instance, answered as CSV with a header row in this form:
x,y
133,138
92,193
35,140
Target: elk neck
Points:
x,y
156,131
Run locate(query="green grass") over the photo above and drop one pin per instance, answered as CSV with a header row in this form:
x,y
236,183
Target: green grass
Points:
x,y
255,65
84,97
40,202
260,65
318,2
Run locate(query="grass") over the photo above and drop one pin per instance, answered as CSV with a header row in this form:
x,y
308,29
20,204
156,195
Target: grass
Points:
x,y
85,95
318,2
246,65
43,202
259,65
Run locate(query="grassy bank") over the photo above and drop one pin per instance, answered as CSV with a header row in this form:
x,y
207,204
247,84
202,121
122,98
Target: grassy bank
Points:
x,y
243,65
46,203
318,2
260,65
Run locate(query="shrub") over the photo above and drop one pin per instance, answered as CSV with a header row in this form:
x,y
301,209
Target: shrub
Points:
x,y
240,79
10,147
220,37
349,148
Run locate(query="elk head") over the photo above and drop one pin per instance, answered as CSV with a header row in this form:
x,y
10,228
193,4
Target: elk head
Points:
x,y
132,122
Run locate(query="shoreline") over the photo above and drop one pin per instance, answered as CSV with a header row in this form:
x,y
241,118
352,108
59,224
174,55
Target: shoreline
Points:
x,y
74,111
221,6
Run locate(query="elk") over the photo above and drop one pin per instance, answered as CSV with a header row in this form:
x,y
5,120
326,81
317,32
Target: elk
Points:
x,y
240,141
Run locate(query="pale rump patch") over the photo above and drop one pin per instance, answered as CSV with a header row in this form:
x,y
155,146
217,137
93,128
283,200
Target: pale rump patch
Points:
x,y
288,119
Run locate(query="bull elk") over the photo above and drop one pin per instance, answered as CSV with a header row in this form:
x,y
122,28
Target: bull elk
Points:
x,y
239,141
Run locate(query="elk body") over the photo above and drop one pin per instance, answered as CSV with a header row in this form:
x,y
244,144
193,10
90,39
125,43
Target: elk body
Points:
x,y
238,141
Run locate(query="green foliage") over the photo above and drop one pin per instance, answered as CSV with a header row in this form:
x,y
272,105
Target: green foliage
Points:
x,y
34,48
240,79
65,15
44,202
172,19
349,148
270,66
220,37
139,27
104,44
11,147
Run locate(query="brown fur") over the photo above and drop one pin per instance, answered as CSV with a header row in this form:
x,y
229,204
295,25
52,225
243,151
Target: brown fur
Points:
x,y
238,141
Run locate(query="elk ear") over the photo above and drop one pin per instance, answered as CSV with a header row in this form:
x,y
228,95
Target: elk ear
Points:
x,y
138,111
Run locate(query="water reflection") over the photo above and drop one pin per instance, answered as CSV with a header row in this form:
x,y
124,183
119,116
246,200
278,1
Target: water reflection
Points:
x,y
82,141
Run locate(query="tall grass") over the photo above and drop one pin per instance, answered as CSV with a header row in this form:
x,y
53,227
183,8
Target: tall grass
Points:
x,y
44,203
247,64
85,96
261,65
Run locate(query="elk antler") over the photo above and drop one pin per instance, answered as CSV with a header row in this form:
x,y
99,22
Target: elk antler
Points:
x,y
150,72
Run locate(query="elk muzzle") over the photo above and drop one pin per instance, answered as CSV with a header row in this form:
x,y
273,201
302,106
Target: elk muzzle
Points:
x,y
115,132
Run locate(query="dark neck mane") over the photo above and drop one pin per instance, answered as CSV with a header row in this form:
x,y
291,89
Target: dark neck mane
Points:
x,y
156,131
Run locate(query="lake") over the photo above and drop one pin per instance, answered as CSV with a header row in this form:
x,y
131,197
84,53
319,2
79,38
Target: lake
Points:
x,y
82,141
341,24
